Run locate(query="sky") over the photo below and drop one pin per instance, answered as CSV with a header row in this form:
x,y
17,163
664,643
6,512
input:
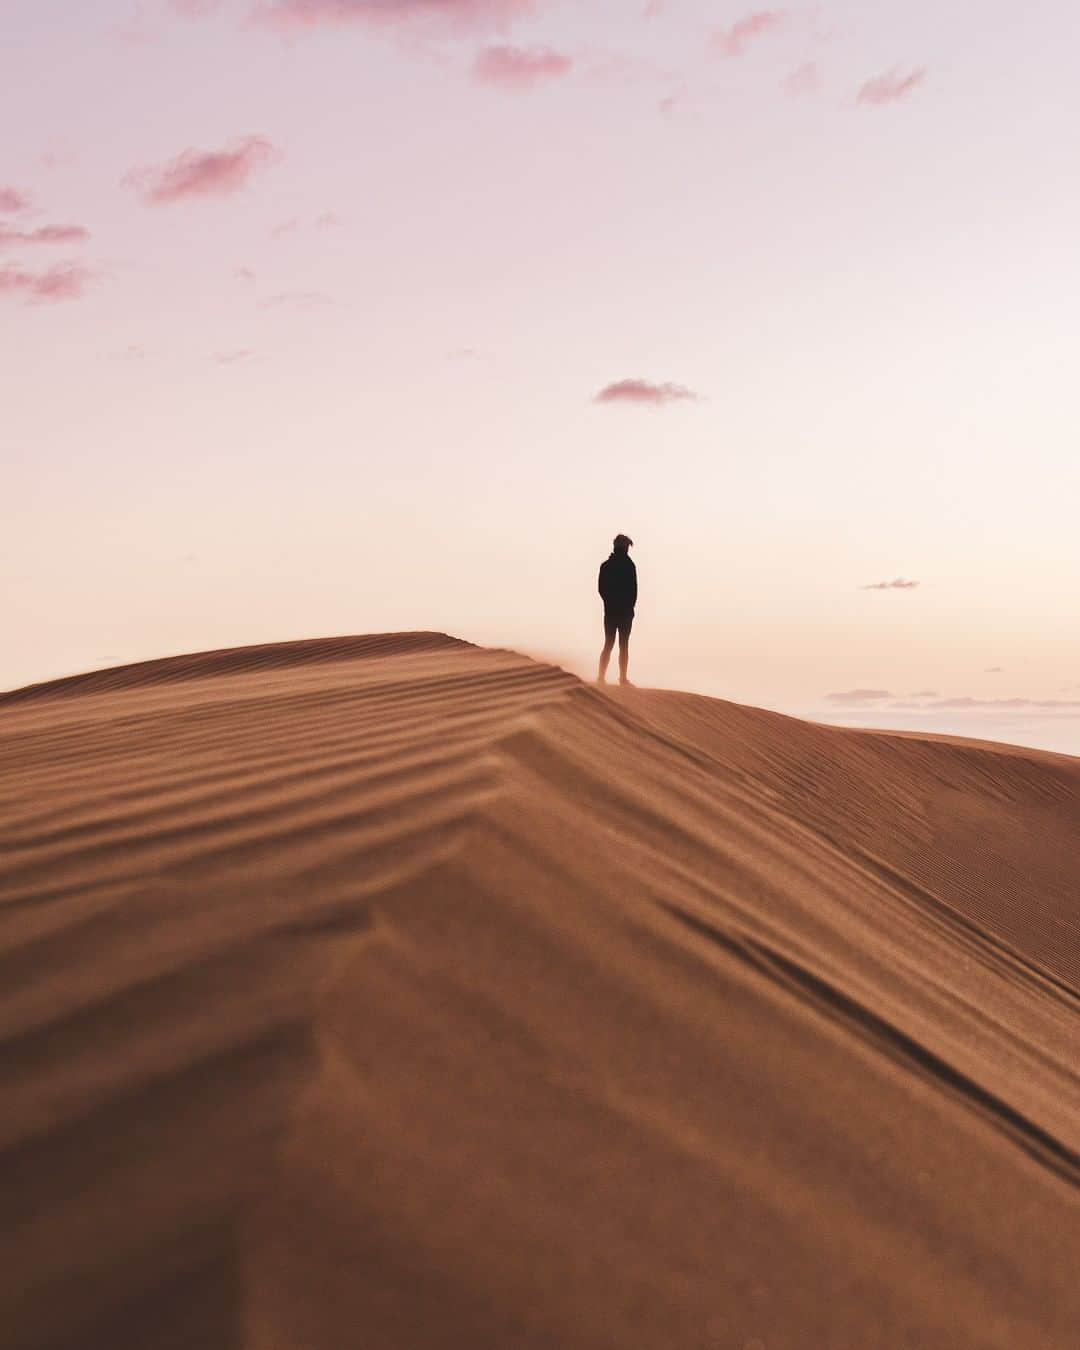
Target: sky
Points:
x,y
345,316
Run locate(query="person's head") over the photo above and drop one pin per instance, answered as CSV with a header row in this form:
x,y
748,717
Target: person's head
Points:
x,y
622,543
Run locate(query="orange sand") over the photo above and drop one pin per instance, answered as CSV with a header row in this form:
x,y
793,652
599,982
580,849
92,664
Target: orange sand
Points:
x,y
392,994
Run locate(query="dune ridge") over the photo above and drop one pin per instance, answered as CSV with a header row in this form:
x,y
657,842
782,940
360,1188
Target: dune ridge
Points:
x,y
395,992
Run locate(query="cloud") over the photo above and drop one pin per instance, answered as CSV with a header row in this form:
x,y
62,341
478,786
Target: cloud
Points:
x,y
520,68
12,201
1004,704
732,41
890,87
898,585
327,221
203,173
804,80
452,14
64,281
995,670
58,157
232,358
926,693
137,31
644,391
243,274
294,300
858,698
45,234
196,9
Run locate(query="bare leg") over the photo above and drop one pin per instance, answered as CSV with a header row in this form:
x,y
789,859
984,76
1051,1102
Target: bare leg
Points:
x,y
624,649
610,630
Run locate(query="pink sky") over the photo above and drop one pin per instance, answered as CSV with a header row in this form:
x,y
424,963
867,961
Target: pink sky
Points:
x,y
326,316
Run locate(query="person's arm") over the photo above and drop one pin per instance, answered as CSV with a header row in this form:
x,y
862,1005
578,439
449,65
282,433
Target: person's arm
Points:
x,y
600,580
633,584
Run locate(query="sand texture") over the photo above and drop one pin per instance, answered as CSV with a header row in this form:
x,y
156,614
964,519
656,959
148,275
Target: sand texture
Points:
x,y
395,994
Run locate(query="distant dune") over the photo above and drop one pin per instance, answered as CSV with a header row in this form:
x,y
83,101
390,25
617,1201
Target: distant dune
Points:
x,y
391,993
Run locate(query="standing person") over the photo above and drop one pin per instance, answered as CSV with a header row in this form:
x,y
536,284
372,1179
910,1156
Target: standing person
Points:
x,y
618,590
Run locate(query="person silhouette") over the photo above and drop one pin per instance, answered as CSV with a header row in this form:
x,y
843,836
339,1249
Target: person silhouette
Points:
x,y
618,590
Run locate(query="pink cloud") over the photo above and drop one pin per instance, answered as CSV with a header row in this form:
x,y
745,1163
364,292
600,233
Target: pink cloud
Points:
x,y
65,281
203,173
13,201
1006,704
805,80
858,698
453,13
898,585
58,157
45,234
295,300
196,9
234,358
644,392
732,41
520,68
890,88
243,274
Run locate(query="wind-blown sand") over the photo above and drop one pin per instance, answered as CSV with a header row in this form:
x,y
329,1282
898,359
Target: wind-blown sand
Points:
x,y
392,993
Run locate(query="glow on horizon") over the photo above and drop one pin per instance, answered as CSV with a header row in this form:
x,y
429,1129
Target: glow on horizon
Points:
x,y
329,316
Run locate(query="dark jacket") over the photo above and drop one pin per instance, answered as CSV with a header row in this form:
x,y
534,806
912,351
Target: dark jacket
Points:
x,y
618,584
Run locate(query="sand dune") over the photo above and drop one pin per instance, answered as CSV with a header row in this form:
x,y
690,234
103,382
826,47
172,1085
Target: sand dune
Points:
x,y
393,993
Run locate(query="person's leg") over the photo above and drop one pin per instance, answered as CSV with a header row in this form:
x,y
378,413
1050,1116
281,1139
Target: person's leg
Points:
x,y
610,629
624,646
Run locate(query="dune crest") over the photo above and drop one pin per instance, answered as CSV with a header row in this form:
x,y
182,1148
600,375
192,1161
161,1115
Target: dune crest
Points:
x,y
398,993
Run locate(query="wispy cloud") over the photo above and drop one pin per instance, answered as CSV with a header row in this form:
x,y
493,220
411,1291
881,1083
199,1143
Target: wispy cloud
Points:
x,y
58,156
644,392
859,698
460,14
327,221
733,41
890,87
136,30
203,173
520,68
233,358
45,234
64,281
12,201
898,585
196,9
243,274
804,80
294,300
1004,704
